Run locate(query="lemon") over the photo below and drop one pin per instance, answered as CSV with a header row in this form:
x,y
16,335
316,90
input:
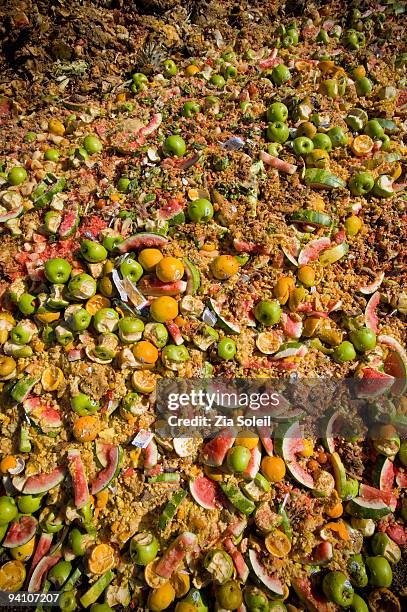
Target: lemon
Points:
x,y
23,552
12,576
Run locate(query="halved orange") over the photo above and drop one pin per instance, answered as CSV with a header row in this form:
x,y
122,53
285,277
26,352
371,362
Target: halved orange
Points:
x,y
362,145
12,576
278,544
144,381
102,558
52,377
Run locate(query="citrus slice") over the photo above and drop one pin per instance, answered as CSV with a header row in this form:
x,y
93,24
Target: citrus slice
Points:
x,y
362,145
144,381
268,342
12,576
278,544
95,303
52,378
101,559
184,447
152,579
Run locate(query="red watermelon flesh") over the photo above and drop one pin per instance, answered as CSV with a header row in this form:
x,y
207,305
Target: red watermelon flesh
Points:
x,y
20,531
149,285
313,249
43,546
371,317
397,367
206,493
43,567
214,451
401,478
105,476
387,476
44,415
79,481
41,483
397,533
175,554
266,440
371,494
242,569
254,463
373,383
171,208
142,241
313,600
292,325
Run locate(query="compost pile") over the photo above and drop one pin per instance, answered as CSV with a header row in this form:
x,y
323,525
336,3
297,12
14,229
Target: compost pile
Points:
x,y
199,190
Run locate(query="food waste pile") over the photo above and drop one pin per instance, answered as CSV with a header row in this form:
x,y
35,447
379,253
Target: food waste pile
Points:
x,y
201,190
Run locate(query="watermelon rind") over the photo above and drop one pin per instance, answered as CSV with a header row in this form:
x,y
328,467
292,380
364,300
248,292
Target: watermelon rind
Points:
x,y
141,241
361,507
311,251
41,483
373,383
110,472
397,361
193,277
286,436
20,531
383,473
339,474
273,585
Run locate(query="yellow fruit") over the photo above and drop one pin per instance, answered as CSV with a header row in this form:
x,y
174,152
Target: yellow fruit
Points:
x,y
95,303
213,473
359,72
102,498
149,258
273,468
191,70
278,544
52,378
86,428
224,266
181,583
23,552
145,352
247,438
47,317
161,598
101,559
185,606
308,448
164,309
169,269
268,342
7,366
8,463
56,127
353,225
12,576
282,289
306,276
144,381
362,145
